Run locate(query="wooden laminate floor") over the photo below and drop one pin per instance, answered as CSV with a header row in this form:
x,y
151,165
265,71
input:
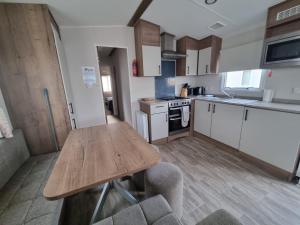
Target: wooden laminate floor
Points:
x,y
215,179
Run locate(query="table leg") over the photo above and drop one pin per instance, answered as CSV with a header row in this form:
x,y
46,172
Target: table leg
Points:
x,y
125,194
105,190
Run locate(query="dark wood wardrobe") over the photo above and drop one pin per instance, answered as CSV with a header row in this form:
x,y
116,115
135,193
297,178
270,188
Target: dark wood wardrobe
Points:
x,y
29,65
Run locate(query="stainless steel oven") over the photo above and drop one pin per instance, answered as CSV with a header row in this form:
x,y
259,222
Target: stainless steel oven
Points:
x,y
175,116
281,51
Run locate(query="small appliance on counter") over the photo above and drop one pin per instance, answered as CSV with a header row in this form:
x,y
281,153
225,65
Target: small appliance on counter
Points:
x,y
196,91
268,95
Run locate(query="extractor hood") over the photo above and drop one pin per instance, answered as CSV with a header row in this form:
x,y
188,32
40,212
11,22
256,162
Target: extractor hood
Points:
x,y
168,47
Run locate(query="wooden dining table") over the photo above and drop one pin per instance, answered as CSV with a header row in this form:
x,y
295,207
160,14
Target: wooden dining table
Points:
x,y
97,157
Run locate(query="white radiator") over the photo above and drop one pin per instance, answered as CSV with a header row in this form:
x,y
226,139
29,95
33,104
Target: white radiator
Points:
x,y
142,124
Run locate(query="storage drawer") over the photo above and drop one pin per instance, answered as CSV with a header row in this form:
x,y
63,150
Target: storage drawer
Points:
x,y
159,108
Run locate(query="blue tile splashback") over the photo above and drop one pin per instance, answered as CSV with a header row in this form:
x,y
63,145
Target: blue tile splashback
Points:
x,y
165,84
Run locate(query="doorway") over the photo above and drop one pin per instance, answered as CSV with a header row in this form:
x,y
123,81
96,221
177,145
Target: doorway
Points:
x,y
113,67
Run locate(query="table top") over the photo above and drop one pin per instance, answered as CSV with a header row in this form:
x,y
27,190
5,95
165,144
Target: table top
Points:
x,y
95,155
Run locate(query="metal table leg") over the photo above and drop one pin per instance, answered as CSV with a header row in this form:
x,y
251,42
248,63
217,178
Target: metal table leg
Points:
x,y
105,190
124,193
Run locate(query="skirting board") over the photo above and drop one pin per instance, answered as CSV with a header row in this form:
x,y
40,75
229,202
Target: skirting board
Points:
x,y
271,169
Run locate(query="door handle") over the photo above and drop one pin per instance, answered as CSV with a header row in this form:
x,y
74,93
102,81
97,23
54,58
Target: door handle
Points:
x,y
71,106
74,122
206,69
246,114
208,107
188,72
214,108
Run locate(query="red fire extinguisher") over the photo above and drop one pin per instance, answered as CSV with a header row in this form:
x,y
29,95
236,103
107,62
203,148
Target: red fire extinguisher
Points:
x,y
134,68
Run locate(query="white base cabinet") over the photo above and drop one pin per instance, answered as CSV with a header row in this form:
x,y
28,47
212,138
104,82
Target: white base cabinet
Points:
x,y
202,117
226,123
271,136
159,126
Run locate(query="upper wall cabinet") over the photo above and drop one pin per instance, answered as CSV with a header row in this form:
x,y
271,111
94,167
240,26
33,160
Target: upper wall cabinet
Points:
x,y
187,66
209,54
147,47
283,18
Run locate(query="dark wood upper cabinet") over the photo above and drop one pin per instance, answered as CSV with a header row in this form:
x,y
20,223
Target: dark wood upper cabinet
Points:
x,y
202,56
147,48
283,18
276,19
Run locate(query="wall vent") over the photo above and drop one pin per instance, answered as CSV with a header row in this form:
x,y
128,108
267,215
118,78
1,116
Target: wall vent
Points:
x,y
216,26
288,13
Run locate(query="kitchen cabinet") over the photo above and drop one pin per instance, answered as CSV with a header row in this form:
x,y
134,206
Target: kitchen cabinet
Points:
x,y
191,62
271,136
159,126
151,60
204,60
187,66
147,47
227,123
202,117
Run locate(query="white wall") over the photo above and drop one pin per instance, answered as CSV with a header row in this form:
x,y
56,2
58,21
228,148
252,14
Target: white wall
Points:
x,y
282,81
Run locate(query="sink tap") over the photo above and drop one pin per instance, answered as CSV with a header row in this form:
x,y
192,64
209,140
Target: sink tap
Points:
x,y
227,94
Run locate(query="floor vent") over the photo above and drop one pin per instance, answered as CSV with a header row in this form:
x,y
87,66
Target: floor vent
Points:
x,y
288,13
216,26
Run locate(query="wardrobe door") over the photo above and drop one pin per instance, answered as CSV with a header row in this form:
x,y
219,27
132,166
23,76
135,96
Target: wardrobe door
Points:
x,y
28,66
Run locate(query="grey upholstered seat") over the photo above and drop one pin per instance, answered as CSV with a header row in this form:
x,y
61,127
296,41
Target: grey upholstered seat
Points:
x,y
21,198
156,211
166,179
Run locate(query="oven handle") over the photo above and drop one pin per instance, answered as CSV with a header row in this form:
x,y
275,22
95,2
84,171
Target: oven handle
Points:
x,y
175,108
172,119
176,115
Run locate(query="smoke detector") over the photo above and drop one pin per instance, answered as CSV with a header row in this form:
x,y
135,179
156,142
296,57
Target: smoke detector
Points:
x,y
216,26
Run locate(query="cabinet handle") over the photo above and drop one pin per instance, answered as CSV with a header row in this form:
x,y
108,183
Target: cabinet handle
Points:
x,y
246,114
159,72
188,72
214,108
206,69
166,117
74,122
209,107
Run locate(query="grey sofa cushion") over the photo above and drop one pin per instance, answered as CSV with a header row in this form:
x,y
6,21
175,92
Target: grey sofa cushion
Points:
x,y
147,212
220,217
21,200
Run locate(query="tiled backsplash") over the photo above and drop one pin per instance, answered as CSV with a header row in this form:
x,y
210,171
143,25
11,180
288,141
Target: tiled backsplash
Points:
x,y
165,84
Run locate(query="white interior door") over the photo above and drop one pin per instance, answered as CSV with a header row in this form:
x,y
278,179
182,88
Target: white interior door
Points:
x,y
65,77
159,126
204,61
191,62
202,117
151,60
226,124
271,136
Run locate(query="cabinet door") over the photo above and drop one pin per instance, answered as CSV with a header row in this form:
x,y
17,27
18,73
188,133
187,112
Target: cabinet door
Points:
x,y
226,123
159,126
191,62
151,60
271,136
202,117
204,61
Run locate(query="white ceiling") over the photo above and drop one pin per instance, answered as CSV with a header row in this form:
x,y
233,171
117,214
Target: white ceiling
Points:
x,y
89,12
179,17
193,17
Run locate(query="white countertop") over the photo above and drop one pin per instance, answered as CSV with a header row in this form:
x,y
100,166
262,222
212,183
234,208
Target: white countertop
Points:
x,y
291,108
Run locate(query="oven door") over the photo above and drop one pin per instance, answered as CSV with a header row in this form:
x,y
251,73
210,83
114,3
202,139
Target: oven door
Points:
x,y
284,51
175,121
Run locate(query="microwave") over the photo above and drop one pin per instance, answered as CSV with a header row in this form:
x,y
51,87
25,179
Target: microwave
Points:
x,y
281,51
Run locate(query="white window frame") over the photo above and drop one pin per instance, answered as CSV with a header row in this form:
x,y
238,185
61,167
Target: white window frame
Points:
x,y
240,89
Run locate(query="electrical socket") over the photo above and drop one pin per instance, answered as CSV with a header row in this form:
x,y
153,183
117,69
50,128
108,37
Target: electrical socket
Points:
x,y
296,90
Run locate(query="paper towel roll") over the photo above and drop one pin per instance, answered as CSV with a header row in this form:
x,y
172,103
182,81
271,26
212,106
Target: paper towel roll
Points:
x,y
268,95
5,128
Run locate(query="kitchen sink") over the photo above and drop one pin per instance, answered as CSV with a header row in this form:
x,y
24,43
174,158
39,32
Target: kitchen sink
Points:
x,y
238,100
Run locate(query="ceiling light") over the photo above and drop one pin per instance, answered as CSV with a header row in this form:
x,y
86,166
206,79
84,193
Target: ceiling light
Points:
x,y
210,2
